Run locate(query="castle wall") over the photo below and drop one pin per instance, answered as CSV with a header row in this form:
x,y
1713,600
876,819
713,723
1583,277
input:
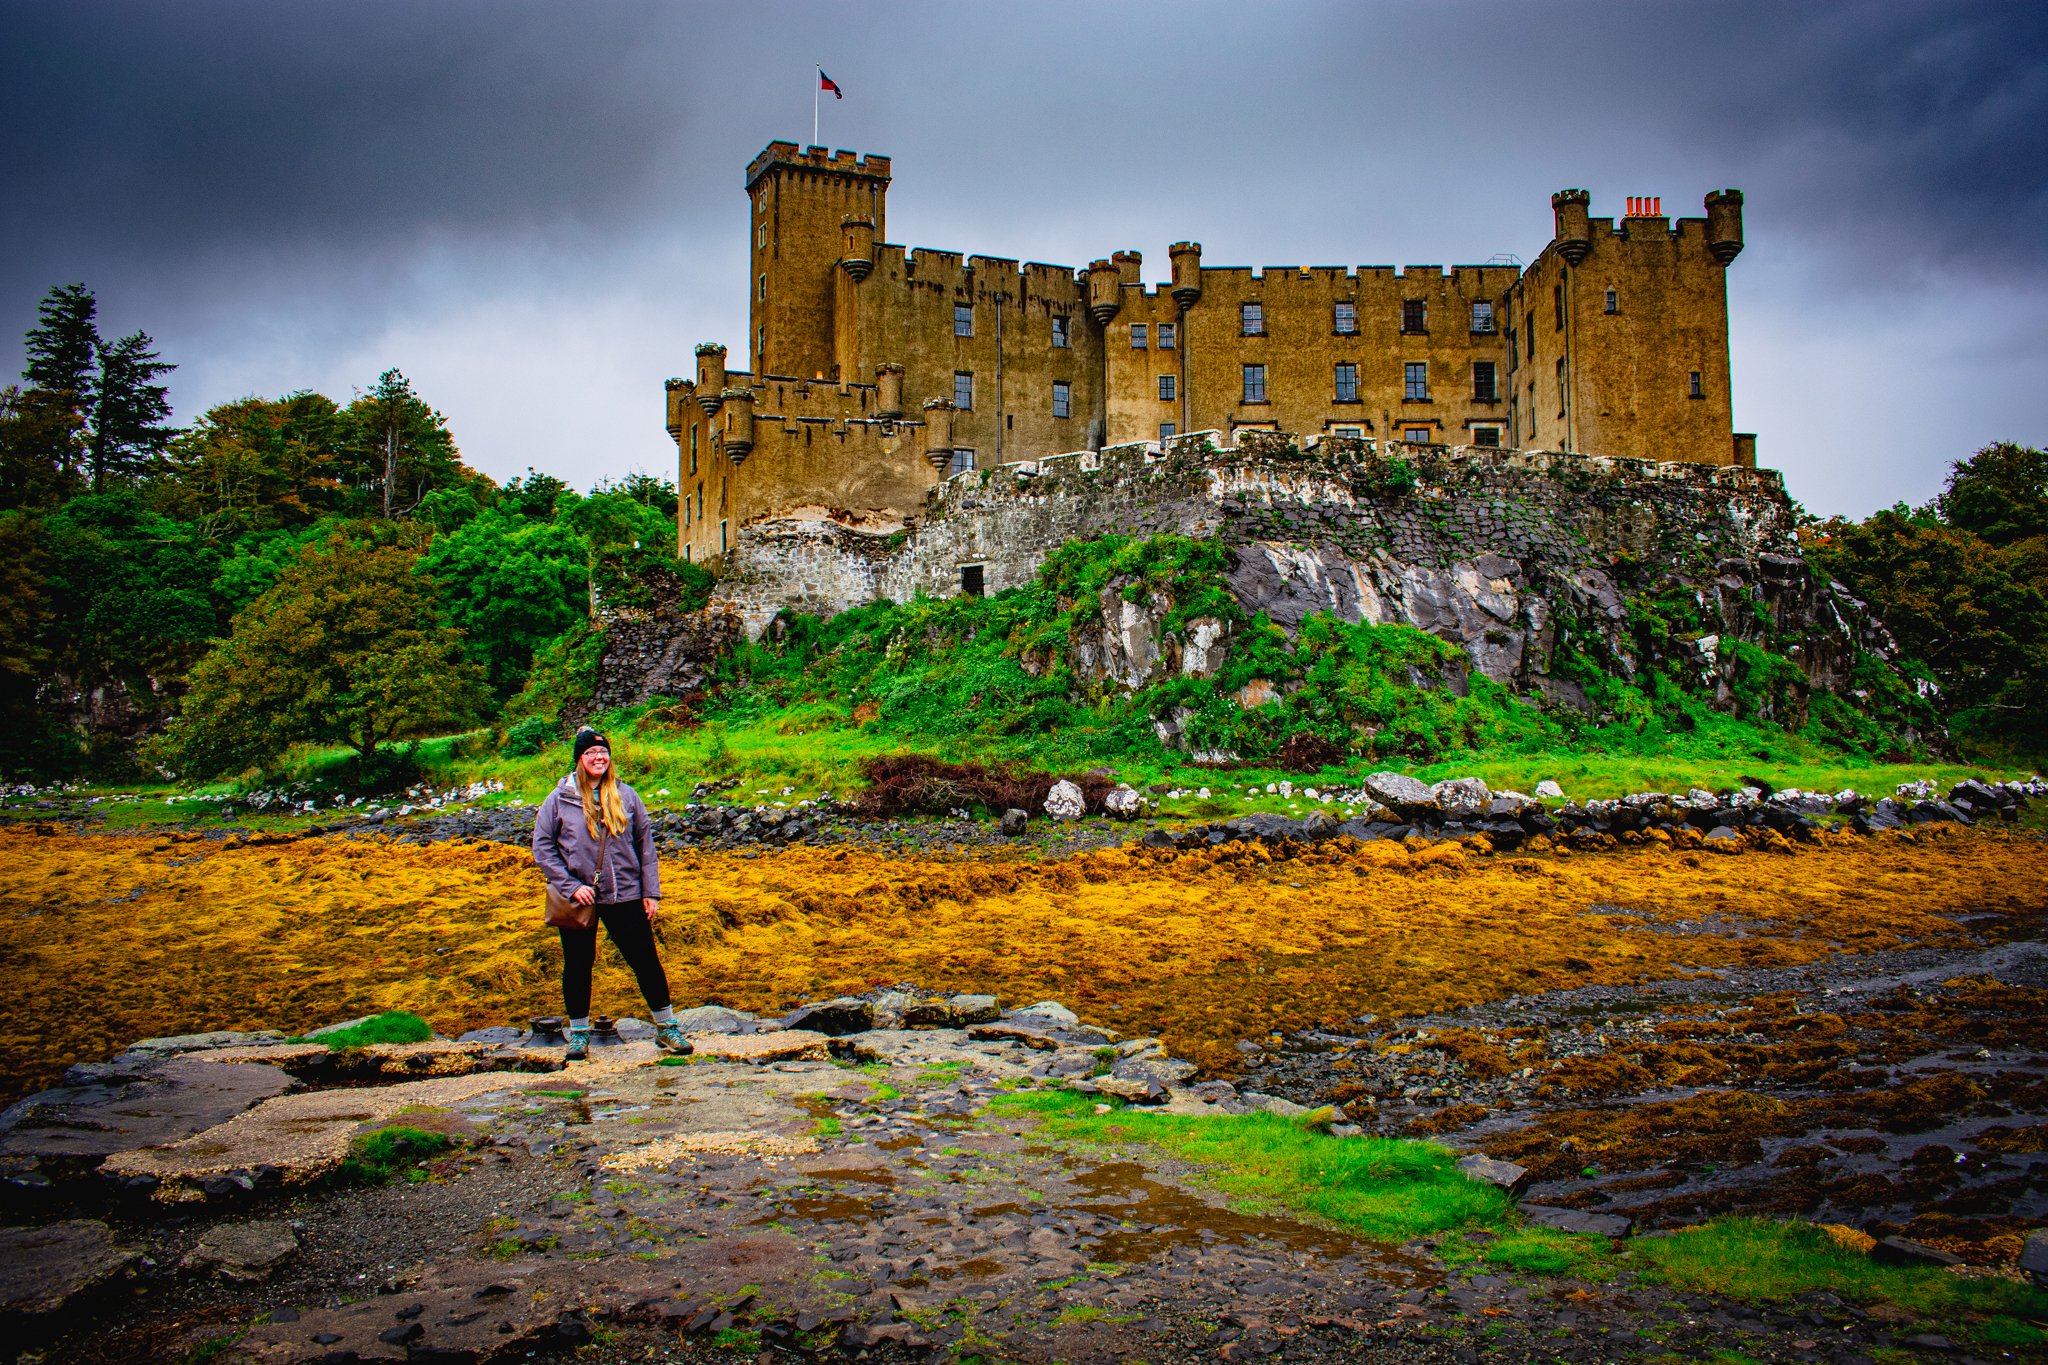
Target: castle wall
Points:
x,y
1488,548
797,199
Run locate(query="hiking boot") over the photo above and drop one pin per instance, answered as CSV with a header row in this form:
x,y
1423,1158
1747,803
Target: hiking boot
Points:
x,y
671,1038
579,1045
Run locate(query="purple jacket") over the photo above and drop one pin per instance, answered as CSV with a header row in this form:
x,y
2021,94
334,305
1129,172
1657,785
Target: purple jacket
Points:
x,y
567,854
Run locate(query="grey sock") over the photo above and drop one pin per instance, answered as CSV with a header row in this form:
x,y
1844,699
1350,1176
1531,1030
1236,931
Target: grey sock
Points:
x,y
580,1025
665,1015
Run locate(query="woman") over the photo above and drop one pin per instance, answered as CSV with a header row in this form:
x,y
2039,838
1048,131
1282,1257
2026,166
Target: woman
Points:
x,y
595,845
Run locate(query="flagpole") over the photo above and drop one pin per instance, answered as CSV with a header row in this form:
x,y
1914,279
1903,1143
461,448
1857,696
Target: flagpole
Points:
x,y
816,86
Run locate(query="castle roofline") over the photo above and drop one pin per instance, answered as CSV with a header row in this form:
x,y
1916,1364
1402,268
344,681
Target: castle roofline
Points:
x,y
841,162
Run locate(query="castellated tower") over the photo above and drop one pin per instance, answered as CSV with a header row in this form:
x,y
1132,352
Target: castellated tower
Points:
x,y
1618,334
801,202
872,371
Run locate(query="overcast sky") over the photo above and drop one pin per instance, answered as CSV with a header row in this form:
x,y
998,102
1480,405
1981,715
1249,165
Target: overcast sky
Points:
x,y
536,209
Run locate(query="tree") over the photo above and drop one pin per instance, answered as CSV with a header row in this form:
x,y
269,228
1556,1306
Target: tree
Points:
x,y
37,433
131,411
533,496
511,586
259,464
63,353
400,449
2000,493
347,648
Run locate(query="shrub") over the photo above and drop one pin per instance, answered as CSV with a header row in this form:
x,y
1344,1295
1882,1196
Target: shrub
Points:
x,y
912,784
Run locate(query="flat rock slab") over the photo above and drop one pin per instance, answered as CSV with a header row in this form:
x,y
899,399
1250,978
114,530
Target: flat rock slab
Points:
x,y
1505,1174
159,1103
786,1045
246,1253
42,1269
378,1061
1577,1220
304,1136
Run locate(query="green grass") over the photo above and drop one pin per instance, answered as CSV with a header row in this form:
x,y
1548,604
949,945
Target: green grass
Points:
x,y
377,1157
1532,1251
1756,1259
393,1026
1386,1189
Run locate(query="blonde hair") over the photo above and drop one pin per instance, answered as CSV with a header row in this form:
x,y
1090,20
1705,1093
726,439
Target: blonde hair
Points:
x,y
605,797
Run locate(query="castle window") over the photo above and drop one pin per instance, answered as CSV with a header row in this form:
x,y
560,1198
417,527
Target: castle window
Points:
x,y
1062,399
693,447
1693,380
1167,430
1348,433
1531,330
700,502
1482,316
687,553
1419,436
1614,301
1251,319
1059,333
1255,383
963,460
1560,386
1347,382
1485,388
1166,336
963,320
1416,377
1557,302
1486,436
1344,322
1138,334
970,580
1166,388
721,537
963,390
1414,315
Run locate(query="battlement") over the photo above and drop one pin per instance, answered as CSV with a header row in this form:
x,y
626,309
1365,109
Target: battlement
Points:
x,y
790,156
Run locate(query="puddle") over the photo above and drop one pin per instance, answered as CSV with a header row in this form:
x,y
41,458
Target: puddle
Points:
x,y
980,1268
1165,1217
822,1208
871,1176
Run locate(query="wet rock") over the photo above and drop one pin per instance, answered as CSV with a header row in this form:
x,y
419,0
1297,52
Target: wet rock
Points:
x,y
713,1019
1045,1014
42,1269
497,1033
1014,822
1547,790
1165,1070
203,1042
1462,798
1065,802
834,1018
1403,795
1905,1251
246,1253
1505,1174
2034,1255
1577,1220
1122,803
147,1105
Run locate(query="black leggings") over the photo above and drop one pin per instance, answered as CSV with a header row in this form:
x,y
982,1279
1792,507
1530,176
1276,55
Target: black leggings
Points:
x,y
633,936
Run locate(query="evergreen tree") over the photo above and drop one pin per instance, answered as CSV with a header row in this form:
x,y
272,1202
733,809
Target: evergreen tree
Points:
x,y
400,448
130,417
63,354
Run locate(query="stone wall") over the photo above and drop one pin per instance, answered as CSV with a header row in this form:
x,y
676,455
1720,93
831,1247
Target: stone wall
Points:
x,y
1504,552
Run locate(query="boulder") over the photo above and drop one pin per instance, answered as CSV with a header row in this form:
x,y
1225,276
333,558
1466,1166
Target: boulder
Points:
x,y
1547,790
1046,1014
2034,1255
1164,1070
1014,822
1065,802
1402,795
1123,803
245,1253
1905,1251
1272,1104
834,1018
1133,1091
1462,798
955,1011
42,1269
1505,1174
713,1019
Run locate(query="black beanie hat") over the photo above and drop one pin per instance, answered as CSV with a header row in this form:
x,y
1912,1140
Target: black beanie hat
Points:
x,y
587,738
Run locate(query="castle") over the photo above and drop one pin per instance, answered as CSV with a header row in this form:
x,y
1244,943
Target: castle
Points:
x,y
878,373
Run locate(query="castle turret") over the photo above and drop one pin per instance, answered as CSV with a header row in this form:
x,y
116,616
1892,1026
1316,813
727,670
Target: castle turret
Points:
x,y
1724,224
1130,267
938,433
889,391
857,238
710,375
1105,291
737,434
1574,232
678,392
1187,272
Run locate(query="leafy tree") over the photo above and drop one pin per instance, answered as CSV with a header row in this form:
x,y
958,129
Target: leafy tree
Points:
x,y
132,589
511,586
347,648
2000,493
37,433
131,411
259,464
534,496
399,448
31,741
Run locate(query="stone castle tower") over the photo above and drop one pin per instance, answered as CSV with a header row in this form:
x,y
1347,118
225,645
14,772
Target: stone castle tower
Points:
x,y
875,372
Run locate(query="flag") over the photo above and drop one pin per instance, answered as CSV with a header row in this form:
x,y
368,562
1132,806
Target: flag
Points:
x,y
825,82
